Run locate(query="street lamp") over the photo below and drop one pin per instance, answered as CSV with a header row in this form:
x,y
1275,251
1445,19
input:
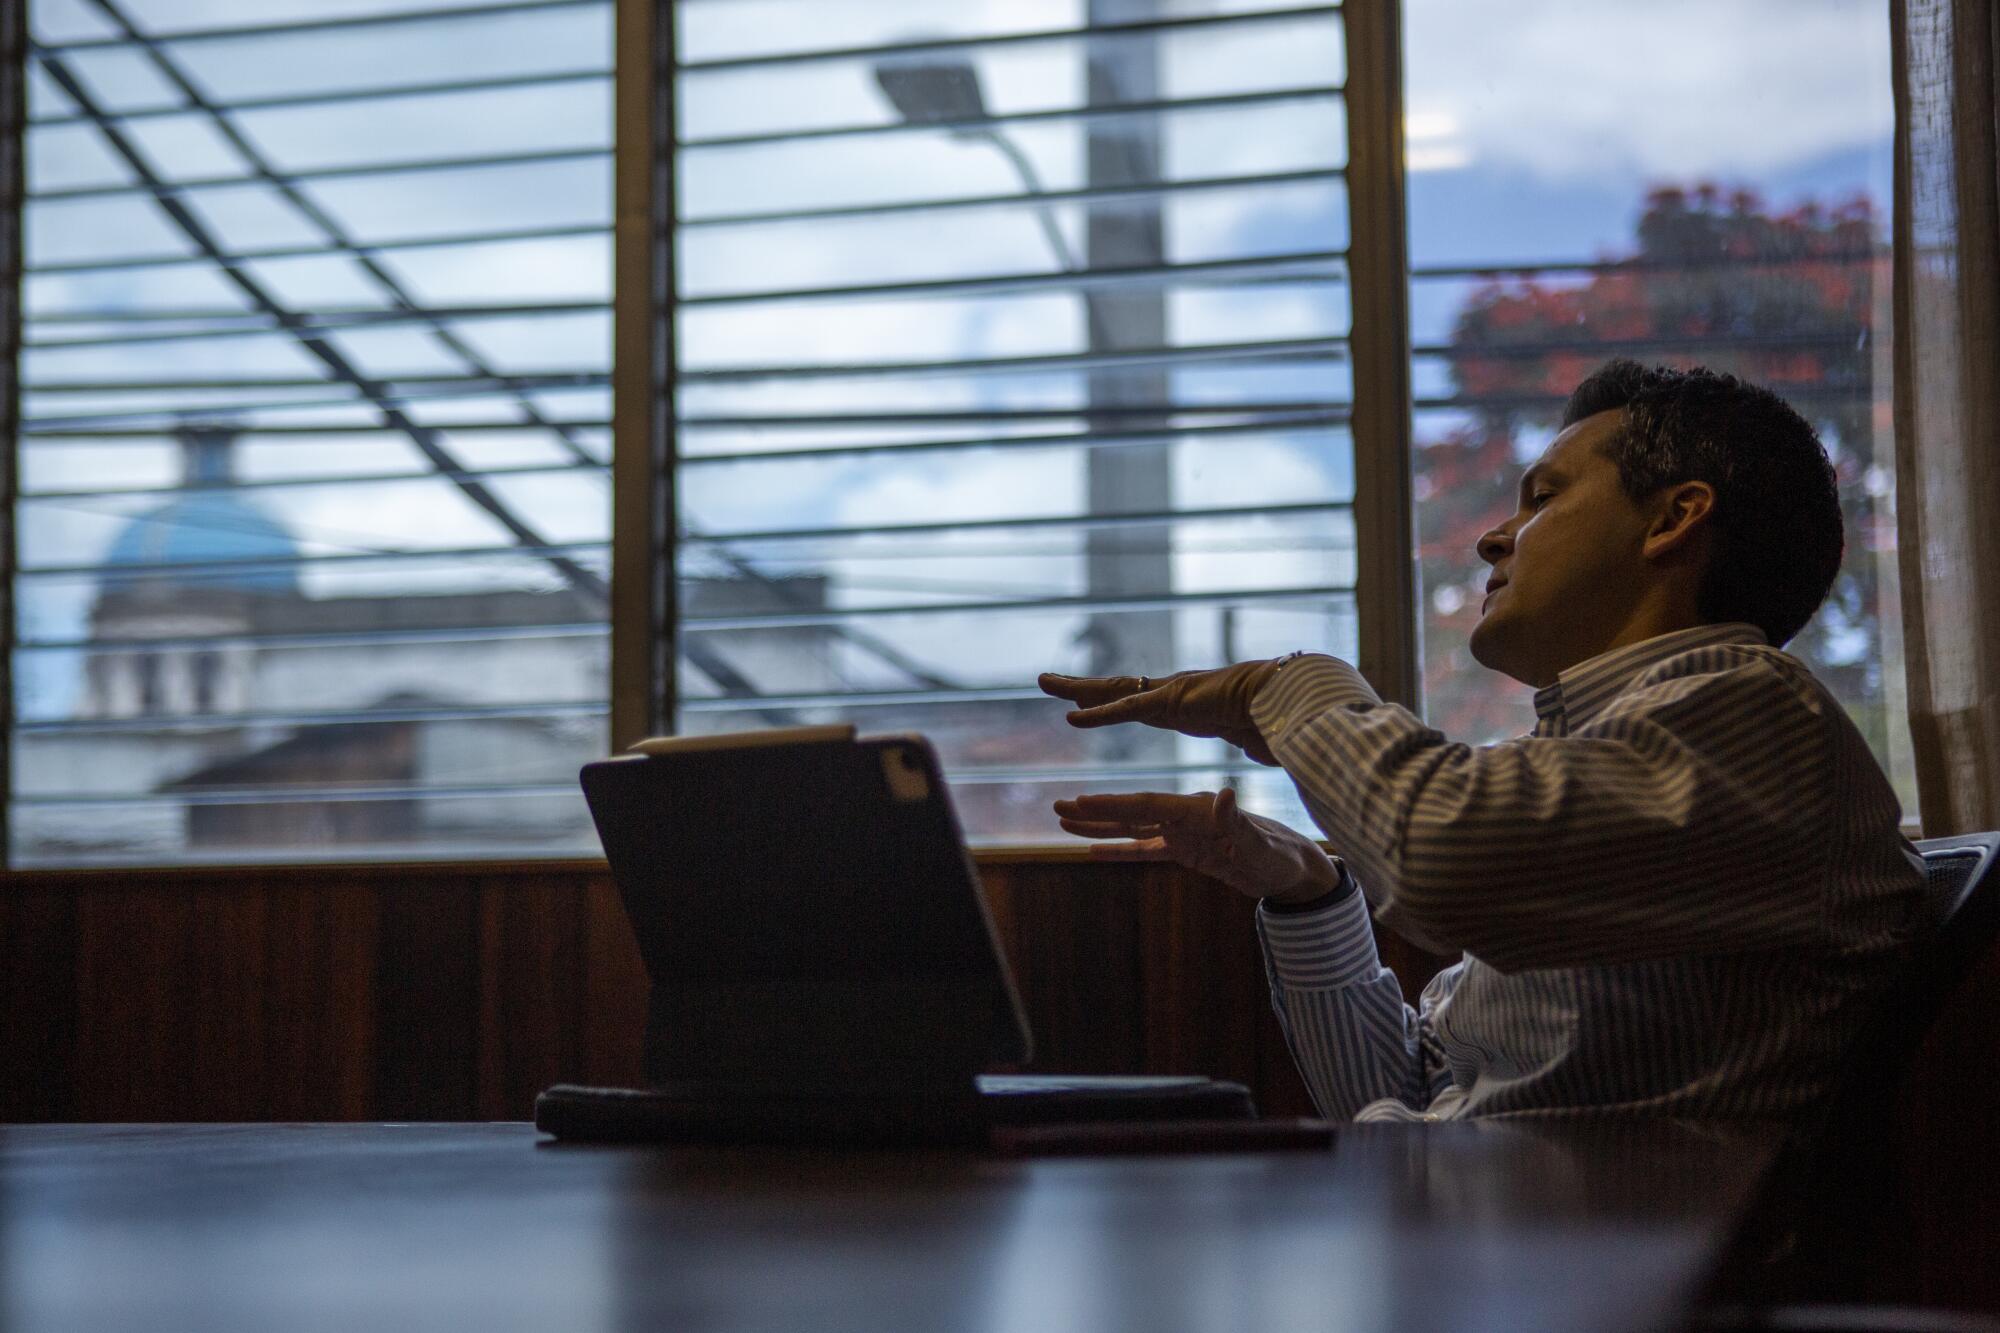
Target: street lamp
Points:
x,y
944,90
941,89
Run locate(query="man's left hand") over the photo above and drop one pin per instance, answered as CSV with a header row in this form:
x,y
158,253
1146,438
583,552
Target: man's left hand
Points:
x,y
1194,703
1205,831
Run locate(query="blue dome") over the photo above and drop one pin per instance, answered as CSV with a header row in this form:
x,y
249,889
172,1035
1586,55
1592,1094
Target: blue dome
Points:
x,y
208,527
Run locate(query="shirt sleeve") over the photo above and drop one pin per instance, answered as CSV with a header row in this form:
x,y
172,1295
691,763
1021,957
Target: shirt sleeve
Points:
x,y
1675,822
1342,1012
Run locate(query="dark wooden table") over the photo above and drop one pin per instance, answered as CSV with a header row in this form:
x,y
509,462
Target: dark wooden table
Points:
x,y
485,1226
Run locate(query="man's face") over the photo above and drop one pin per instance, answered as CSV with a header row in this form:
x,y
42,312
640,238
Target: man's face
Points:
x,y
1567,566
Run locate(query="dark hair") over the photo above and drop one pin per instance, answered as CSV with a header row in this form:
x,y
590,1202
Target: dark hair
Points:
x,y
1777,515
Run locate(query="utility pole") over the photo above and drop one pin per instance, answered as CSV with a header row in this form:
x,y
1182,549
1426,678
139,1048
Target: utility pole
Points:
x,y
1126,233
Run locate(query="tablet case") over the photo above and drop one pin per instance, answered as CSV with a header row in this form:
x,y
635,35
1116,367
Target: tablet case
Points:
x,y
823,965
1004,1111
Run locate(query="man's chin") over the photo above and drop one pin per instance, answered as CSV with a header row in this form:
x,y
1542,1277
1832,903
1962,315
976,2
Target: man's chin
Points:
x,y
1489,645
1481,641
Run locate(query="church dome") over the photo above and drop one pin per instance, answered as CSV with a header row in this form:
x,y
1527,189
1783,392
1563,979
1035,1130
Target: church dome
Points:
x,y
205,523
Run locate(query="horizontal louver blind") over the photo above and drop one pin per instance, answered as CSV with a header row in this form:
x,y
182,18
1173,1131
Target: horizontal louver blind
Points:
x,y
1007,338
313,510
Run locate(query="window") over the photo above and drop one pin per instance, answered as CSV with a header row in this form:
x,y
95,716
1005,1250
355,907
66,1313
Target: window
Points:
x,y
1008,338
985,339
313,505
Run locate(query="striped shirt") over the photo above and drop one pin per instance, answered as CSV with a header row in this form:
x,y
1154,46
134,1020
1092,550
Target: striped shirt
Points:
x,y
1677,895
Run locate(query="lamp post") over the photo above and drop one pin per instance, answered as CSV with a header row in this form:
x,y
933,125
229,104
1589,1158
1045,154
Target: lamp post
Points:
x,y
1134,560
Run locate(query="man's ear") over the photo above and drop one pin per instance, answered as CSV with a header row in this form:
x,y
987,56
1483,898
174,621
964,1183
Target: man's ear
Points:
x,y
1680,517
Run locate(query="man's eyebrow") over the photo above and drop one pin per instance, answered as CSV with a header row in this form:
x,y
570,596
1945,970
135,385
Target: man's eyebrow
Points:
x,y
1539,472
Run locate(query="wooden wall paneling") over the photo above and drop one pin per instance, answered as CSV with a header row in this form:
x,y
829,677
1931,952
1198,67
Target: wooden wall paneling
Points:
x,y
426,992
1209,1002
531,992
1204,978
38,997
214,1028
169,1012
321,1020
426,988
113,989
614,991
1073,942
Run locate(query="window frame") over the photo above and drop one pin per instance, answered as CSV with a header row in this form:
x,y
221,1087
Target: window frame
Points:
x,y
13,193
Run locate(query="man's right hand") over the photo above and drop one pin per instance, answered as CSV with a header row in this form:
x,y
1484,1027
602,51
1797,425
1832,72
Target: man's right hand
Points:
x,y
1205,831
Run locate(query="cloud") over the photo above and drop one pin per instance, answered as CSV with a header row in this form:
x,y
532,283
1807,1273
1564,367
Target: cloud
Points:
x,y
1570,89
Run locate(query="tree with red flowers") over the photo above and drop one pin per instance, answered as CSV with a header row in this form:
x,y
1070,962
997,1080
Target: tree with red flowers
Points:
x,y
1788,300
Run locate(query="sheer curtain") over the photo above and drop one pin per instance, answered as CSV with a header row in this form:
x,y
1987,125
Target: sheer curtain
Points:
x,y
1947,332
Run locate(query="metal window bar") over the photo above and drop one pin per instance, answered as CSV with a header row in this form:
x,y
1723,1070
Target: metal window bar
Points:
x,y
299,795
429,88
987,41
1074,440
320,323
498,385
1638,264
392,245
361,320
194,570
310,639
1081,195
1305,418
82,436
322,718
1276,349
308,482
1079,602
175,417
1150,107
160,186
231,568
292,28
1295,266
78,422
13,142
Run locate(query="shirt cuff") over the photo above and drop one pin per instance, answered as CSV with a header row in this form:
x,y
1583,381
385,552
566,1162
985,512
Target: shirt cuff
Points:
x,y
1321,950
1304,689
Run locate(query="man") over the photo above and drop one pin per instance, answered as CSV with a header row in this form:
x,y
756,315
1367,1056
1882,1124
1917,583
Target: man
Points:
x,y
1677,895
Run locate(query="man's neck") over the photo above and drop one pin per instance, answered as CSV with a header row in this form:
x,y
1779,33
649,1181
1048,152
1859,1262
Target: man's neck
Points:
x,y
1648,622
1641,628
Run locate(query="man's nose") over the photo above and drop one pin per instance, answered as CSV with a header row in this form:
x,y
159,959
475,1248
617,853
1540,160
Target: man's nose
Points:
x,y
1494,546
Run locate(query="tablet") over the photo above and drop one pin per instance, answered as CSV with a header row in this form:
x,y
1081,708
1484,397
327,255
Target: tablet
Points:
x,y
807,912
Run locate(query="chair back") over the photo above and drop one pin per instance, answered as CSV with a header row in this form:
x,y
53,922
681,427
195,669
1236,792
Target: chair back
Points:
x,y
1841,1165
1963,899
